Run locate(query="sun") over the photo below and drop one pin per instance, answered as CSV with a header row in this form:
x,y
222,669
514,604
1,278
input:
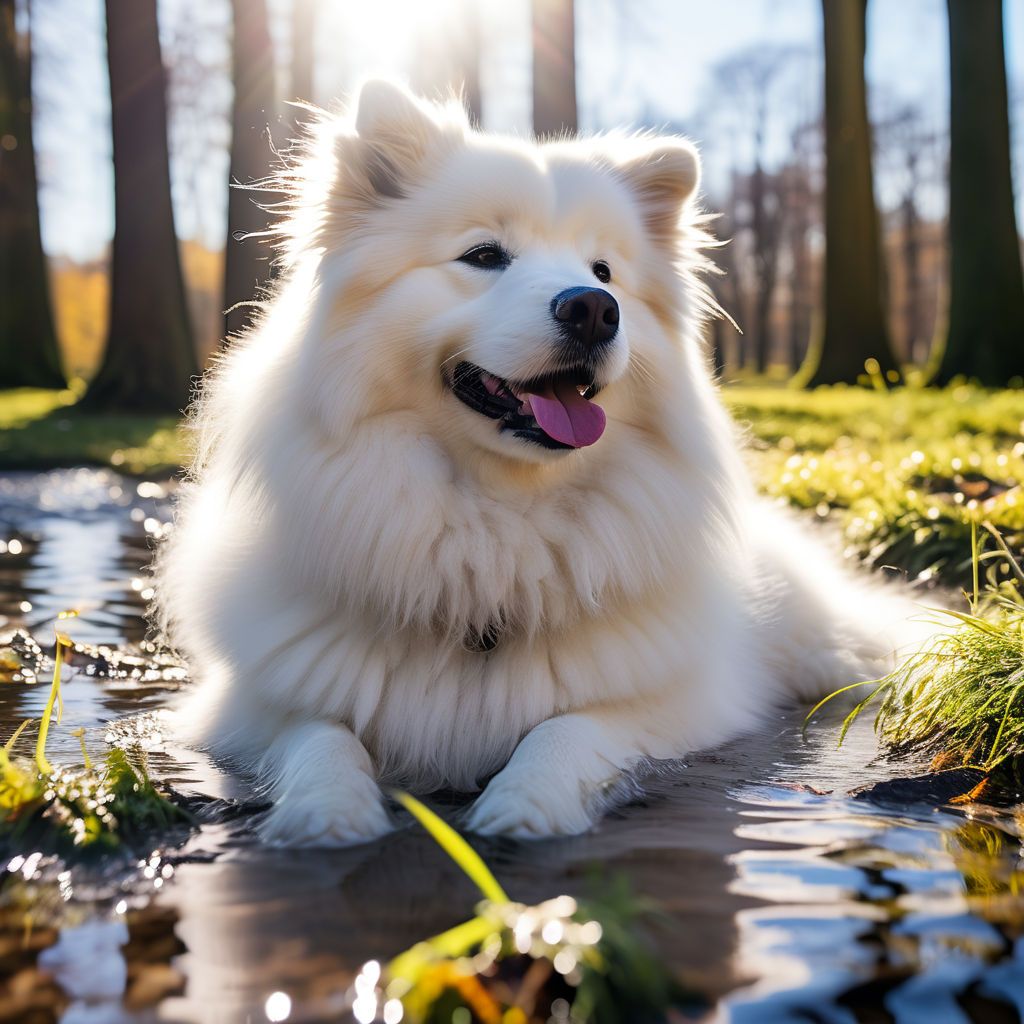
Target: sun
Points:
x,y
386,36
386,17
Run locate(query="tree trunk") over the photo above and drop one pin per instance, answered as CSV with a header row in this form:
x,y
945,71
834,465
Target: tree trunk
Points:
x,y
801,206
766,224
150,359
985,334
759,229
729,289
29,355
716,353
853,328
247,268
912,275
554,67
799,196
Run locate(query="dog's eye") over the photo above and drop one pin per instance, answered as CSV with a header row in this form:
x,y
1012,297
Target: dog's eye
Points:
x,y
489,256
601,271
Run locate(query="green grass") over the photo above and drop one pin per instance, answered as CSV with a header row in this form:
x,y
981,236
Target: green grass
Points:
x,y
76,811
512,962
43,429
963,692
903,472
961,697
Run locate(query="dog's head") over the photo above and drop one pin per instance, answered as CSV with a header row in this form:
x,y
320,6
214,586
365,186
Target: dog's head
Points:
x,y
518,300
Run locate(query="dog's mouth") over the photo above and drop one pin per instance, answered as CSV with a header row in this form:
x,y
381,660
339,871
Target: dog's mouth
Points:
x,y
554,411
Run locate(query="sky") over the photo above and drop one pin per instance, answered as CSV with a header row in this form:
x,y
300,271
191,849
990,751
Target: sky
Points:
x,y
639,62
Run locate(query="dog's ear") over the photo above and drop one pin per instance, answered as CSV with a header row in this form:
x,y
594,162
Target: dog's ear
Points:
x,y
395,133
664,174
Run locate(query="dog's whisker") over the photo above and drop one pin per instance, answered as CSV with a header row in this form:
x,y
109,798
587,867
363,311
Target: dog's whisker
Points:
x,y
642,369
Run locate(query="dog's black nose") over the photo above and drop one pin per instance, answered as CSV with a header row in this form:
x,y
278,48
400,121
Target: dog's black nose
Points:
x,y
587,315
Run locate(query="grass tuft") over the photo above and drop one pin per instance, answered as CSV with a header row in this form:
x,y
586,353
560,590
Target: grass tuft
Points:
x,y
75,811
961,697
514,963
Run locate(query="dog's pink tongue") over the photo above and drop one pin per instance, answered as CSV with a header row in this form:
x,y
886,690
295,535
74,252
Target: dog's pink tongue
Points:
x,y
564,414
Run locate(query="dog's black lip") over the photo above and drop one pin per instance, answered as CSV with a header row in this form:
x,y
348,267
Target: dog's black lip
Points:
x,y
466,384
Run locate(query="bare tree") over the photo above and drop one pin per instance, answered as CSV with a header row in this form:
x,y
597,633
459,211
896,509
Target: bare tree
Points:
x,y
985,336
254,115
29,355
197,49
729,290
853,328
751,93
554,67
149,359
625,72
197,55
911,229
767,216
906,149
800,200
804,190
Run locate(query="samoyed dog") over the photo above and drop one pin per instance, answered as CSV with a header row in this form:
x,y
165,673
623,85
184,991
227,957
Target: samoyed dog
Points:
x,y
466,511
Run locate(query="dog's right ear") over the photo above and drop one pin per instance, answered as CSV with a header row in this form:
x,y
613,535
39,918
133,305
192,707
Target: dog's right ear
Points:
x,y
663,174
395,133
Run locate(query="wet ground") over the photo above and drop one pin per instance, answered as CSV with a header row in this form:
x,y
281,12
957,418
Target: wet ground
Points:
x,y
783,897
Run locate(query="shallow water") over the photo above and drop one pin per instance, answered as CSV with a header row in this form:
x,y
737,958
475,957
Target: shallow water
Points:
x,y
784,898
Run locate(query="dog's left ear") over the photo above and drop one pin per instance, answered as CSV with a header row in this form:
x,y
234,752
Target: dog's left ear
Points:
x,y
663,174
396,132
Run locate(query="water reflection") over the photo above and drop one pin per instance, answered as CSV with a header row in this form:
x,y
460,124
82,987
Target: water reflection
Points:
x,y
784,898
916,917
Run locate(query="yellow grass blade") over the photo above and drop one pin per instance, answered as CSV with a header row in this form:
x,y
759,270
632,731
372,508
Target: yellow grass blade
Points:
x,y
63,640
974,565
835,693
455,846
411,964
86,760
8,746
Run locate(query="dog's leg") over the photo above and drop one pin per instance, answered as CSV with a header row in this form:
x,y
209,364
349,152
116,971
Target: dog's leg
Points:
x,y
555,782
322,783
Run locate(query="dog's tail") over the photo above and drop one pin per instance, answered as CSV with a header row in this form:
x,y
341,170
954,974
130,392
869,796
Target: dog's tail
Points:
x,y
826,624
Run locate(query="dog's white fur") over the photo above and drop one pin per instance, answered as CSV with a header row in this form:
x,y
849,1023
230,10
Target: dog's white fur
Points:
x,y
349,523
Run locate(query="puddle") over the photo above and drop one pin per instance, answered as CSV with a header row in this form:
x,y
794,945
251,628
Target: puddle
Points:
x,y
783,898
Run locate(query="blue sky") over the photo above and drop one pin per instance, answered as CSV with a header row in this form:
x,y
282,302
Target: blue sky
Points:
x,y
641,61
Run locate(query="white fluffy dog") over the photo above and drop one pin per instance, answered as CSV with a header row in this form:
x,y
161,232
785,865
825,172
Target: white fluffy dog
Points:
x,y
466,511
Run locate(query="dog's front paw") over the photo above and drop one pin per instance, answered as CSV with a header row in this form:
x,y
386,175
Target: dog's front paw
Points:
x,y
315,817
529,807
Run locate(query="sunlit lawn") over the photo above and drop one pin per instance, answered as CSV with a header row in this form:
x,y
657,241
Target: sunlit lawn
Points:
x,y
901,472
42,429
